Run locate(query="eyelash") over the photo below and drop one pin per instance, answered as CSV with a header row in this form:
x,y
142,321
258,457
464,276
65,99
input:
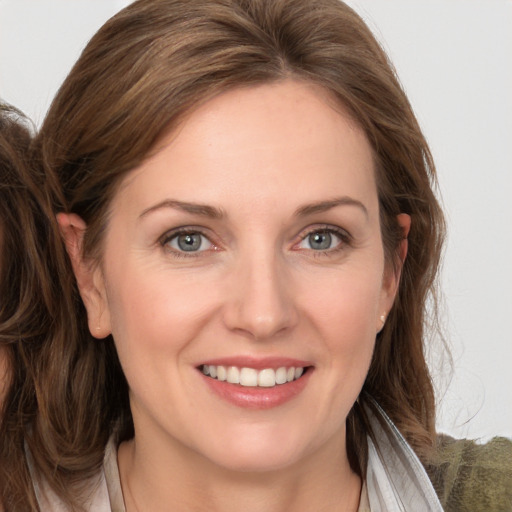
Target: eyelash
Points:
x,y
344,236
171,235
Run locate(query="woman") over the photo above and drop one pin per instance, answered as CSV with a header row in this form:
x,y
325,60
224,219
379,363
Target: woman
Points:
x,y
246,200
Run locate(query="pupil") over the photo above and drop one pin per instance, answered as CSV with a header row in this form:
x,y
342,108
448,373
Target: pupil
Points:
x,y
189,242
320,241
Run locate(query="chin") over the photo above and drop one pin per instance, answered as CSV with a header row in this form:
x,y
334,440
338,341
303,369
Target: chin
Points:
x,y
251,462
257,453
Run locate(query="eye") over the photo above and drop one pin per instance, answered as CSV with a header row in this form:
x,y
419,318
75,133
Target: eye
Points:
x,y
192,241
322,240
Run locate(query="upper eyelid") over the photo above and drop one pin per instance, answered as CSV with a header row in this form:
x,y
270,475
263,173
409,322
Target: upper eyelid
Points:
x,y
324,227
184,230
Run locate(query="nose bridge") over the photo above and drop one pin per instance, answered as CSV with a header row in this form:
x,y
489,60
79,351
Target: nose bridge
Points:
x,y
261,304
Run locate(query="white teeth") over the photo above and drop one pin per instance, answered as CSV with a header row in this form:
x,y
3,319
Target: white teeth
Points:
x,y
281,375
221,373
267,378
233,375
250,377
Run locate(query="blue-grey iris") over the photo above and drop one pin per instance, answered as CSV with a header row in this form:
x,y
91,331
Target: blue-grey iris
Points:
x,y
189,242
320,240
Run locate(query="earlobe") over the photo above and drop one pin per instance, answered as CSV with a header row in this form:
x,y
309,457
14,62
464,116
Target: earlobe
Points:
x,y
88,275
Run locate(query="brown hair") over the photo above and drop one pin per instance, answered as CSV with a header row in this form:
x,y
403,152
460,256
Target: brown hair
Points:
x,y
28,300
138,77
44,385
18,278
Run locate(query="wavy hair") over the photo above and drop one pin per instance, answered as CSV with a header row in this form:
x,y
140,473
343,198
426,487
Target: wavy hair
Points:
x,y
28,300
21,294
136,80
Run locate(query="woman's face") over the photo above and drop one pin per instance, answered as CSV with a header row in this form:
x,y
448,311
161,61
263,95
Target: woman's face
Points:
x,y
248,248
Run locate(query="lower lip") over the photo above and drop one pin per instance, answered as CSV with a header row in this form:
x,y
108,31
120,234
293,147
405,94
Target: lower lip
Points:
x,y
258,397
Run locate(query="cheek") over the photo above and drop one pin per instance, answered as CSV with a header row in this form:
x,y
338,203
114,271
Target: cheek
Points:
x,y
348,303
344,318
155,309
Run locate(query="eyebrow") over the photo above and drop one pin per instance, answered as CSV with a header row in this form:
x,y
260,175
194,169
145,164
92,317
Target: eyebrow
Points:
x,y
323,206
193,208
215,213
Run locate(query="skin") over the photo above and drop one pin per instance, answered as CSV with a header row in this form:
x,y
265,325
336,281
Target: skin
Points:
x,y
256,288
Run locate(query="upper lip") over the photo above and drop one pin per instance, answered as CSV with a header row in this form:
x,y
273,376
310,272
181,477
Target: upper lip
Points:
x,y
258,363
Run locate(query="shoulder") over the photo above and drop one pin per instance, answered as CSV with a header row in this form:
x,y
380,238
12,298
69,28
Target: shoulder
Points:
x,y
471,476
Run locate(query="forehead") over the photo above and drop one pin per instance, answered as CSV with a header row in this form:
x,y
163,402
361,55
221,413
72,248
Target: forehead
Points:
x,y
258,140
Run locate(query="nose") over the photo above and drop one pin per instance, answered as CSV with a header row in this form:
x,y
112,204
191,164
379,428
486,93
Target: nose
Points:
x,y
260,303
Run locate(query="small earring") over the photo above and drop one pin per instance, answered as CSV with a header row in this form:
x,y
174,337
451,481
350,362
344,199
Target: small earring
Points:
x,y
383,322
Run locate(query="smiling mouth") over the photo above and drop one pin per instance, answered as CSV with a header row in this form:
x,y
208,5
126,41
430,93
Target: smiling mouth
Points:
x,y
250,377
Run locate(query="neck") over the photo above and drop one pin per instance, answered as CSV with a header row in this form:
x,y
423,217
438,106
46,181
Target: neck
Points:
x,y
154,480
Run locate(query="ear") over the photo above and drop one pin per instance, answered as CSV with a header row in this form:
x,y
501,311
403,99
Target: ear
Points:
x,y
88,275
393,272
405,223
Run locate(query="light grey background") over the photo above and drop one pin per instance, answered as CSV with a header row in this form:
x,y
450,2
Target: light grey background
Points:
x,y
454,59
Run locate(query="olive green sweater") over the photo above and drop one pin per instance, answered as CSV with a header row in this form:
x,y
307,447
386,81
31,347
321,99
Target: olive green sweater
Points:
x,y
469,477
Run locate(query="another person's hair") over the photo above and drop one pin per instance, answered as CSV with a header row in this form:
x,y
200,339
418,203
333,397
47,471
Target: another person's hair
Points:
x,y
28,302
137,79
